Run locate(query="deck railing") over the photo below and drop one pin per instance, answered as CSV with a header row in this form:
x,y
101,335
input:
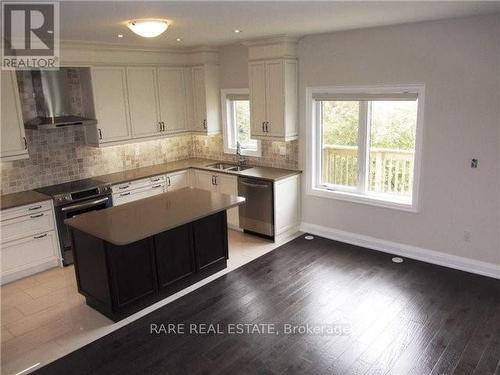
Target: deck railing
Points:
x,y
391,170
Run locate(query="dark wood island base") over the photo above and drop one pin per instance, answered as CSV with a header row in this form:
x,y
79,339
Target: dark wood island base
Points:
x,y
121,280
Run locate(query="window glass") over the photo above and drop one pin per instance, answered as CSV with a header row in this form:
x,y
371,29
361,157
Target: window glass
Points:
x,y
340,128
241,110
392,146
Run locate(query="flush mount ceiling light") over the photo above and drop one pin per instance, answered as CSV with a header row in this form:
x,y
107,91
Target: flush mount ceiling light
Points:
x,y
148,28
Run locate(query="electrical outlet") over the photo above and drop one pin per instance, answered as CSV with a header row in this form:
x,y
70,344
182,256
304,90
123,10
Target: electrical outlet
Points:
x,y
473,163
467,236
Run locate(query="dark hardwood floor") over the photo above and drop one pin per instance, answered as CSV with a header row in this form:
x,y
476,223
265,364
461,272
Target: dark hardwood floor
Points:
x,y
409,318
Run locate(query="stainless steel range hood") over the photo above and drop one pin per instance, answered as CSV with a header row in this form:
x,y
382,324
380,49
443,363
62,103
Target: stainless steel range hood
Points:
x,y
55,98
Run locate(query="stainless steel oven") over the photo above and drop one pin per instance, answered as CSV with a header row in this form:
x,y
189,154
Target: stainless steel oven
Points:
x,y
73,199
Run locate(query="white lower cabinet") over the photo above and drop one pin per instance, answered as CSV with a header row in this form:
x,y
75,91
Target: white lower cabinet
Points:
x,y
177,180
29,241
222,183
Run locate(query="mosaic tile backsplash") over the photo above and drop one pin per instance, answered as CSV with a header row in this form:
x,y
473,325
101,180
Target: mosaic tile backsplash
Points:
x,y
61,155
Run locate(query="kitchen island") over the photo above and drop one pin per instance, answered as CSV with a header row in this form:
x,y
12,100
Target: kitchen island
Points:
x,y
129,257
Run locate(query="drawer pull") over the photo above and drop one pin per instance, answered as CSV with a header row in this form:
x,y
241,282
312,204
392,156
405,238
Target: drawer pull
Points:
x,y
156,186
34,208
124,194
123,187
40,236
35,216
155,179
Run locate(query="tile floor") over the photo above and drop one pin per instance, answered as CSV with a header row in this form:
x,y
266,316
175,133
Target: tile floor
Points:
x,y
43,317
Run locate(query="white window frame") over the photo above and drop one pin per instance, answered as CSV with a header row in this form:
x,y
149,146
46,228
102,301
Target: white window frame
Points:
x,y
227,127
313,149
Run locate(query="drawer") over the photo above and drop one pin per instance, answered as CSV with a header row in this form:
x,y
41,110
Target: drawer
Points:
x,y
28,252
138,184
29,209
134,195
27,225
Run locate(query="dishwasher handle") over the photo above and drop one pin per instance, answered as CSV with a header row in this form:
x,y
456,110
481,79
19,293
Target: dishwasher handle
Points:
x,y
253,184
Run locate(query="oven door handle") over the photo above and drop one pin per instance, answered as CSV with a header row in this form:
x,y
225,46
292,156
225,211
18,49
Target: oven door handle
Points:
x,y
85,205
260,186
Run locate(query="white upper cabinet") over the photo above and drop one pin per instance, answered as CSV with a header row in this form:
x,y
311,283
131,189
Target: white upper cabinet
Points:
x,y
172,99
206,99
257,83
110,99
142,97
273,99
13,138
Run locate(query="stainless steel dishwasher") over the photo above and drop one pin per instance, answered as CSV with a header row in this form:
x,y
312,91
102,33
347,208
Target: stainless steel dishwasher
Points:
x,y
257,213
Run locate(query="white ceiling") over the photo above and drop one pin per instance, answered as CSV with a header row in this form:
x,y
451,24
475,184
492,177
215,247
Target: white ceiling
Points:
x,y
212,23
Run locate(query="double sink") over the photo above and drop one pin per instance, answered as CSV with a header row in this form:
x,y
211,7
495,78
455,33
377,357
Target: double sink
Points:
x,y
228,167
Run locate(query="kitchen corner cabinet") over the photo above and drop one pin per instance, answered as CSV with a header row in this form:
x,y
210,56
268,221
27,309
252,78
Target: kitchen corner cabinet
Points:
x,y
220,183
206,99
111,105
13,141
273,99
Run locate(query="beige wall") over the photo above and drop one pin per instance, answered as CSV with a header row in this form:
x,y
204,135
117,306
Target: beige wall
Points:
x,y
458,61
233,62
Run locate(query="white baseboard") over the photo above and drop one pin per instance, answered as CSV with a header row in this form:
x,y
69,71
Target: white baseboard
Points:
x,y
408,251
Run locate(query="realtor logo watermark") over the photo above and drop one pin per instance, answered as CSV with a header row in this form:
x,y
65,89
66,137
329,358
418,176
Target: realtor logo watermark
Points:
x,y
30,35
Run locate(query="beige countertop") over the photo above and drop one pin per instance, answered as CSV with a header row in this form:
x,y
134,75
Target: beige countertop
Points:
x,y
137,220
22,198
265,173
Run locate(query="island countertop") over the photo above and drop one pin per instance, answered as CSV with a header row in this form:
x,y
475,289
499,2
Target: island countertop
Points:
x,y
147,217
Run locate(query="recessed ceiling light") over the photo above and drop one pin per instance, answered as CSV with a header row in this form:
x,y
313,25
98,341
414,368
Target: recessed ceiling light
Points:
x,y
120,35
179,39
50,31
148,28
237,31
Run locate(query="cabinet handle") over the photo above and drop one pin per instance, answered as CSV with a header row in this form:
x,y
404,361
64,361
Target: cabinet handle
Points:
x,y
156,186
204,124
213,180
263,122
267,124
168,181
125,194
40,236
100,133
25,143
35,216
34,208
155,179
215,177
123,187
164,127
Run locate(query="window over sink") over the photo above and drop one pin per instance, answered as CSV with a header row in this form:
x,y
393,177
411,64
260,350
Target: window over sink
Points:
x,y
236,122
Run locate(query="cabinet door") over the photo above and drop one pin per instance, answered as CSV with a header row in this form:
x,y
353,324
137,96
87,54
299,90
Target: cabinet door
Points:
x,y
177,180
210,239
275,99
257,86
229,185
174,255
200,101
172,99
133,275
28,252
144,116
110,98
205,180
13,139
188,88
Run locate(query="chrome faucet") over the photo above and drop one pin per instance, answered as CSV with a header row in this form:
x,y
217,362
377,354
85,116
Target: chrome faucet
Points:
x,y
241,159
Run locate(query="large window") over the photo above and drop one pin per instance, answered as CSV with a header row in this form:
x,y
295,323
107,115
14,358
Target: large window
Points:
x,y
365,144
236,122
